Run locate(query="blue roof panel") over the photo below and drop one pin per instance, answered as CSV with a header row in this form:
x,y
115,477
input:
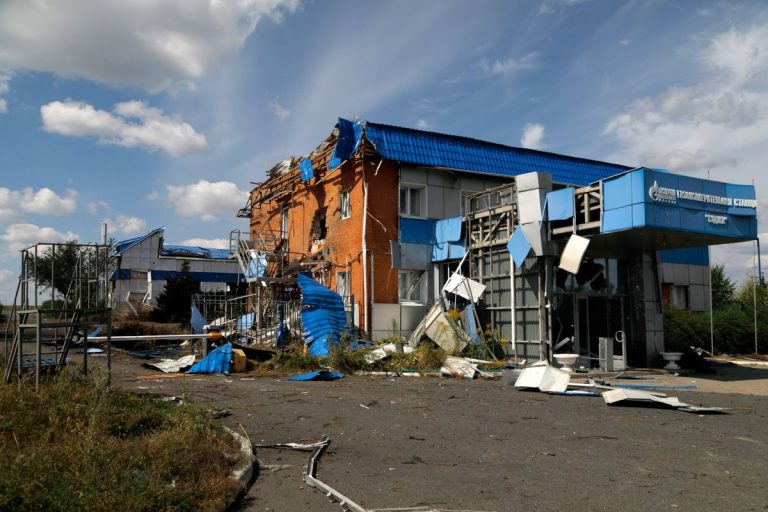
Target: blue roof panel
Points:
x,y
420,147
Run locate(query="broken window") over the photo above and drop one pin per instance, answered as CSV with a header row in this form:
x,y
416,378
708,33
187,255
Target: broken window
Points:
x,y
344,206
342,284
410,285
678,295
284,223
318,224
410,201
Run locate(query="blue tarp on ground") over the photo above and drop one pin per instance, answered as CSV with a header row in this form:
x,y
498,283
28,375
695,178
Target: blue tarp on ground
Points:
x,y
318,375
217,361
322,316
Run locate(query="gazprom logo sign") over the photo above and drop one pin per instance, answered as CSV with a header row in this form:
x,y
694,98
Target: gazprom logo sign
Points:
x,y
671,195
662,194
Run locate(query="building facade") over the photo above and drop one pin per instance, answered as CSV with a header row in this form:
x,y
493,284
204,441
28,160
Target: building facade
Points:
x,y
143,264
384,215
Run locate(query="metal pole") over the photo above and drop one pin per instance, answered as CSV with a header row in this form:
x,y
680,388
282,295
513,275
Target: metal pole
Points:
x,y
755,284
85,349
38,353
109,347
711,306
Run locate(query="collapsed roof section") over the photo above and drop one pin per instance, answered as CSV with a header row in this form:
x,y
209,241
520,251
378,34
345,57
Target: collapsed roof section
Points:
x,y
181,251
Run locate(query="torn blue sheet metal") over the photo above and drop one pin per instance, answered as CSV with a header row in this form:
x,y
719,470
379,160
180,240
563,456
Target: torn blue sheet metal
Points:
x,y
560,204
448,251
322,316
317,375
447,242
448,230
350,134
417,231
196,320
217,361
305,167
468,320
519,246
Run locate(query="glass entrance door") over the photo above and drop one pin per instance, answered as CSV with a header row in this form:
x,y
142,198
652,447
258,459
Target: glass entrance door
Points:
x,y
598,317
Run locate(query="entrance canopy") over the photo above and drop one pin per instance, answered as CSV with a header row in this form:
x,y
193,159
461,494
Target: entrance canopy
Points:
x,y
652,209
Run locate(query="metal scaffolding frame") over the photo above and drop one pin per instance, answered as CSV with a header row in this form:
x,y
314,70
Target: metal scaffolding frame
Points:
x,y
62,294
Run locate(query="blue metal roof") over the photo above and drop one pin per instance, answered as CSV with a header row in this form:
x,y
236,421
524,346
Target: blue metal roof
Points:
x,y
121,247
174,250
420,147
194,252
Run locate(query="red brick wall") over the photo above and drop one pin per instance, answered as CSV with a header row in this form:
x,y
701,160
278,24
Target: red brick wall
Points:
x,y
344,236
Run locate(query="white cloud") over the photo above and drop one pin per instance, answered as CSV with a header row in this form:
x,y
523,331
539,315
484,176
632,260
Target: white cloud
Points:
x,y
510,65
127,225
97,206
206,200
279,110
719,122
133,124
715,127
209,243
624,42
43,201
741,55
3,105
153,195
151,44
533,133
19,236
7,285
422,124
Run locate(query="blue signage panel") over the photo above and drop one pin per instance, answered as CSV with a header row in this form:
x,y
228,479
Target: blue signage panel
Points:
x,y
658,199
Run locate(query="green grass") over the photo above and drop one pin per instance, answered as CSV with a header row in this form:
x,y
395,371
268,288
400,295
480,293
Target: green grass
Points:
x,y
76,445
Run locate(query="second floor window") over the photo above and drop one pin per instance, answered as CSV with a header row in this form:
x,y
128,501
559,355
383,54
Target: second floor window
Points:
x,y
410,201
344,206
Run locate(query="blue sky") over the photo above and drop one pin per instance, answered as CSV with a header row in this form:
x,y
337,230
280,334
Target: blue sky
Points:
x,y
160,113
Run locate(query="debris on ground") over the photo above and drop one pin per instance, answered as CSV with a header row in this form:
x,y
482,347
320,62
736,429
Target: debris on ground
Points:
x,y
172,365
438,327
384,351
318,375
310,477
217,361
636,396
463,368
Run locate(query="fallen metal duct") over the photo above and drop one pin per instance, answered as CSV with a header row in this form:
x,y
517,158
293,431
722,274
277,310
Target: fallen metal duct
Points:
x,y
311,479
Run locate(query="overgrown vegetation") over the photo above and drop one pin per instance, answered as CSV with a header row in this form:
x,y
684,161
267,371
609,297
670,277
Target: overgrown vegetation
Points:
x,y
75,445
733,318
427,356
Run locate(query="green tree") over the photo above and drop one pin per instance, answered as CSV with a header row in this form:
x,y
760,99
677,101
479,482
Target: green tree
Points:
x,y
174,303
56,267
746,293
723,289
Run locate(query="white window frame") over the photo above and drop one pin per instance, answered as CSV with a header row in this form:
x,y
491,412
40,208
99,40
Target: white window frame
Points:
x,y
679,296
416,283
345,206
344,286
408,210
284,223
